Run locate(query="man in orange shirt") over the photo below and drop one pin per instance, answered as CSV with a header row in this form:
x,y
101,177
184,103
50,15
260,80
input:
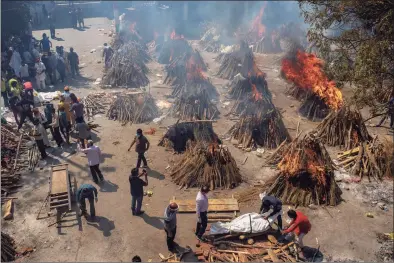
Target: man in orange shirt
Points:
x,y
298,228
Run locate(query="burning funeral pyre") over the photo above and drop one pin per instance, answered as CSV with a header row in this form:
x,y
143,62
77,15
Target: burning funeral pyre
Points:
x,y
306,175
239,61
210,165
134,107
175,47
179,135
343,128
240,87
128,67
374,160
321,95
179,68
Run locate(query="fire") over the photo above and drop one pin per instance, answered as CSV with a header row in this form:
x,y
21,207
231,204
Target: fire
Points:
x,y
193,70
256,94
257,26
306,73
174,36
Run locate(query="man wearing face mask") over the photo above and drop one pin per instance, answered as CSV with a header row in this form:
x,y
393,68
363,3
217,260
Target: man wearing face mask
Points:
x,y
141,146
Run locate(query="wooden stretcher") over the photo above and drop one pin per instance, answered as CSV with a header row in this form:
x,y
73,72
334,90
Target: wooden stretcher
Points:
x,y
60,189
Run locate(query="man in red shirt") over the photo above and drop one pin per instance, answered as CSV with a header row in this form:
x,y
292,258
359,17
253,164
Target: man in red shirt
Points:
x,y
299,227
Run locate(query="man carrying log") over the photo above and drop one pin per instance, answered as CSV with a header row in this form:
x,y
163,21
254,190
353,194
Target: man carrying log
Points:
x,y
202,211
274,204
90,192
137,190
298,228
170,225
141,146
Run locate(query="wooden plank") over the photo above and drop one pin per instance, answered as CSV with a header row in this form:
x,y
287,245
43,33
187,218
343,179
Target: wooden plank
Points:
x,y
59,196
59,182
57,206
272,255
229,201
59,202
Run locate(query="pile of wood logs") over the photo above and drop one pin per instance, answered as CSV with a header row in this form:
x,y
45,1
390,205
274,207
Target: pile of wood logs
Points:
x,y
16,156
314,108
96,103
243,248
172,49
178,135
241,87
210,165
277,155
134,107
343,128
8,252
306,175
374,160
265,129
128,67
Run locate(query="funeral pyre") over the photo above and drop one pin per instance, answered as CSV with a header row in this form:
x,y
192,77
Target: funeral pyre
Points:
x,y
305,72
179,68
241,86
8,252
372,159
96,103
180,135
176,46
260,123
128,67
17,154
239,61
134,107
210,165
306,175
345,128
210,40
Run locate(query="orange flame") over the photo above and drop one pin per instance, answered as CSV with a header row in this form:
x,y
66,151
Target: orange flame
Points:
x,y
306,73
193,71
257,27
173,35
256,94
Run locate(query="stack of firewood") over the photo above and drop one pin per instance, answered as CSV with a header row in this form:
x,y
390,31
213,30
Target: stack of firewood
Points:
x,y
8,252
210,165
210,40
172,49
128,68
178,135
306,175
343,128
96,103
134,107
374,160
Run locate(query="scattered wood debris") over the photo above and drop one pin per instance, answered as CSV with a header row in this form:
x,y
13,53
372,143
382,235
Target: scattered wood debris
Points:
x,y
8,252
96,103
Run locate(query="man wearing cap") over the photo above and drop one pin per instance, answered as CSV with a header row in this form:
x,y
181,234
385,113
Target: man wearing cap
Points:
x,y
93,153
28,87
141,146
137,190
170,225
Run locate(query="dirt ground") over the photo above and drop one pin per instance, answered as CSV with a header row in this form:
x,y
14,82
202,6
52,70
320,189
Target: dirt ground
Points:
x,y
343,232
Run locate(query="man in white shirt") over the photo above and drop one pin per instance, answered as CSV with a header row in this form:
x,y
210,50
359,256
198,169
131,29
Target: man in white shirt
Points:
x,y
24,72
94,156
40,74
202,210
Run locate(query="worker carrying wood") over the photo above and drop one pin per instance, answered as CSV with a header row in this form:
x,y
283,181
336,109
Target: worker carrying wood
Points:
x,y
298,228
202,211
90,192
170,225
272,203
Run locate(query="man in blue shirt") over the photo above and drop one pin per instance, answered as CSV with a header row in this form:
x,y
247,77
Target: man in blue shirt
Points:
x,y
90,192
45,43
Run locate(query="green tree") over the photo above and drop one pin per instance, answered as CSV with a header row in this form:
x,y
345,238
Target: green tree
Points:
x,y
356,39
15,16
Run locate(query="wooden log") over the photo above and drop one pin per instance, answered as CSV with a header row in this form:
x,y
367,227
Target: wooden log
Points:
x,y
7,210
272,255
233,251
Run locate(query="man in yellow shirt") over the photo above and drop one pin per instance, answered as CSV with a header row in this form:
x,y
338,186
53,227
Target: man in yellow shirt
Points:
x,y
4,92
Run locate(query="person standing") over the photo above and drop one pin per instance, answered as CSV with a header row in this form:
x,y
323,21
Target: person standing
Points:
x,y
90,192
45,44
40,74
107,55
74,61
14,100
93,153
77,107
170,225
28,88
51,21
83,133
66,107
56,128
52,65
4,92
25,105
298,228
48,115
64,124
141,146
61,67
42,123
80,18
137,190
202,211
16,62
24,72
39,140
272,203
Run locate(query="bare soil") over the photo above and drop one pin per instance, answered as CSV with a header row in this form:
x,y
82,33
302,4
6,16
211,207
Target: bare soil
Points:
x,y
343,232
